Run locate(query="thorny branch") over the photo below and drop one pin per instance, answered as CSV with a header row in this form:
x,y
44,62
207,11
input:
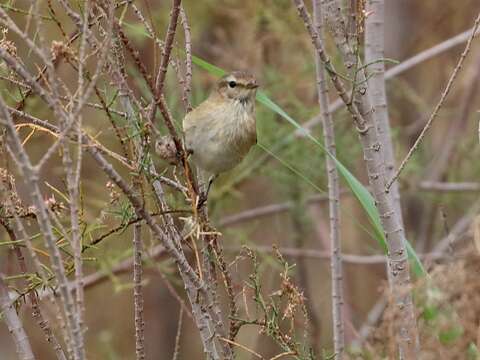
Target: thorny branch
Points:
x,y
70,137
333,196
360,109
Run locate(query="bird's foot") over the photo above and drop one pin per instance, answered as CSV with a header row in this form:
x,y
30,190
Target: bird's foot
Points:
x,y
202,200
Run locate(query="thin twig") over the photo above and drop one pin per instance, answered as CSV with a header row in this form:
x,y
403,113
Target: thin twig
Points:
x,y
346,258
243,347
138,292
176,350
404,66
438,106
448,187
135,220
165,59
187,86
286,353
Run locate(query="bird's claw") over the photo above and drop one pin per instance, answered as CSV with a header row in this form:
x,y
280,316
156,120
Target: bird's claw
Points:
x,y
202,200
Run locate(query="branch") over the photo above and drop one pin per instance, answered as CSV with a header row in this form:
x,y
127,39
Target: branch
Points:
x,y
363,117
438,106
31,178
138,292
374,55
14,324
333,195
399,69
449,187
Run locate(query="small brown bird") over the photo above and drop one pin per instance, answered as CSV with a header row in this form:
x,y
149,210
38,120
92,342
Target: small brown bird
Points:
x,y
222,129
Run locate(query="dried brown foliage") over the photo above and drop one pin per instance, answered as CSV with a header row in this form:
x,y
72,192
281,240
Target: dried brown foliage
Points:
x,y
448,317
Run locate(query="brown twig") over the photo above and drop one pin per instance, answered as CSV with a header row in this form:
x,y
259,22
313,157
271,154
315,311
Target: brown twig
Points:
x,y
231,342
135,220
228,283
187,86
165,59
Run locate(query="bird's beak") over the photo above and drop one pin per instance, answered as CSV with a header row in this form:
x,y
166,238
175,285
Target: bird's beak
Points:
x,y
252,85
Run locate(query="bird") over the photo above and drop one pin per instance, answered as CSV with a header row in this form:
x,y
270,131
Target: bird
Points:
x,y
220,131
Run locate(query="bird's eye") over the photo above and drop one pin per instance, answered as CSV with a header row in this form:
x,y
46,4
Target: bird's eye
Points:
x,y
232,84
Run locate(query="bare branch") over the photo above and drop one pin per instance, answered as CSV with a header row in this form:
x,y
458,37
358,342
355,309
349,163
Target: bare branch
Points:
x,y
399,69
167,49
449,187
14,324
360,109
137,292
333,196
31,179
438,106
187,87
374,55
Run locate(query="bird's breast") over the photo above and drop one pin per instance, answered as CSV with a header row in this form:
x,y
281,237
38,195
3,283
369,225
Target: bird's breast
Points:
x,y
223,139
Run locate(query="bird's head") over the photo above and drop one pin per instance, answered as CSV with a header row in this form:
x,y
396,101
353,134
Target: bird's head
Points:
x,y
238,85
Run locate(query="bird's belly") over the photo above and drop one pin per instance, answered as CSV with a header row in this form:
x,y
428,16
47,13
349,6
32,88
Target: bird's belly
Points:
x,y
222,149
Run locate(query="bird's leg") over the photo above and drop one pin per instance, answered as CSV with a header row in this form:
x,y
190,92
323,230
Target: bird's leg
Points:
x,y
204,195
210,182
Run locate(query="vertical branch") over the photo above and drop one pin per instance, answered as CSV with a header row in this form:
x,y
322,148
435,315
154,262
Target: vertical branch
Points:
x,y
164,61
167,50
351,13
338,26
14,324
73,171
229,287
299,216
137,292
187,86
364,120
176,350
126,101
333,196
374,55
184,83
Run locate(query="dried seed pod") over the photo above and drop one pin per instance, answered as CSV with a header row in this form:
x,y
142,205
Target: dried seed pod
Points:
x,y
165,149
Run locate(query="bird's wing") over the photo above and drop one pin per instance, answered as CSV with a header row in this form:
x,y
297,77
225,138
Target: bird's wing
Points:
x,y
203,114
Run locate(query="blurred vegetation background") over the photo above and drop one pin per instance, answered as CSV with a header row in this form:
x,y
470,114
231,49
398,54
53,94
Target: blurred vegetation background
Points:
x,y
267,37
